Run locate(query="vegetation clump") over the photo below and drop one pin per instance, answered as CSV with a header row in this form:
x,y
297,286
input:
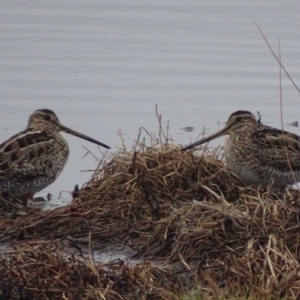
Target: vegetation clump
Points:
x,y
190,221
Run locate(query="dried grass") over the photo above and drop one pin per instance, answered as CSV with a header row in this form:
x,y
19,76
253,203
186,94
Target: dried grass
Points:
x,y
184,208
44,271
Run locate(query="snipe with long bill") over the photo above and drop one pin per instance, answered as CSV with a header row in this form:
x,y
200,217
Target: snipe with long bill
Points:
x,y
34,158
258,154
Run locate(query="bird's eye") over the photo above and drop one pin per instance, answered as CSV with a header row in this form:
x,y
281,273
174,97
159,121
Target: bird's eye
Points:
x,y
238,119
47,117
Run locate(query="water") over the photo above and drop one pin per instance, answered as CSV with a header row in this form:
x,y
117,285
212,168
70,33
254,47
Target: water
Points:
x,y
102,66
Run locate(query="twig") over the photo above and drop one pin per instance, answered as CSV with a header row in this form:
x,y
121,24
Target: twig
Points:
x,y
282,66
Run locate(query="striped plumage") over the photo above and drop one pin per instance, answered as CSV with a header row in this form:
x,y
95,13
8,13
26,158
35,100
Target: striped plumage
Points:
x,y
259,154
34,158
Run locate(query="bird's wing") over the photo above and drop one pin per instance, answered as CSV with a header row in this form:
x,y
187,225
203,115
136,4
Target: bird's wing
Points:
x,y
24,153
276,148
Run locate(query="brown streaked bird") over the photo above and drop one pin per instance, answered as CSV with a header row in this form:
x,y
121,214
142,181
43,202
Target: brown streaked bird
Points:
x,y
258,154
34,158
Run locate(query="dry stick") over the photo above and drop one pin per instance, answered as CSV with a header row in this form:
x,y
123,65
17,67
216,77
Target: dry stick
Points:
x,y
259,118
168,129
280,86
138,139
159,125
281,113
89,152
98,166
133,165
101,161
122,140
139,135
282,66
161,131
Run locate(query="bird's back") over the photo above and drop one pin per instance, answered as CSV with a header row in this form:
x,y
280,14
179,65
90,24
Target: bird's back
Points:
x,y
31,160
265,155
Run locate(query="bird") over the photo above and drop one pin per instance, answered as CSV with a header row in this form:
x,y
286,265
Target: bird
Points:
x,y
258,154
34,158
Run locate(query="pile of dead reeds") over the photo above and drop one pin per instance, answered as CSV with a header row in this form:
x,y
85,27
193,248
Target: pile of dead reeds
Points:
x,y
184,208
45,271
128,196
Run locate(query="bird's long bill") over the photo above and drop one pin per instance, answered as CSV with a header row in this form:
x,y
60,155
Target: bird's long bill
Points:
x,y
82,136
207,139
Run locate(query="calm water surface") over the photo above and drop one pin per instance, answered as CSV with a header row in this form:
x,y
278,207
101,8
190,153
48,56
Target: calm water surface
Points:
x,y
102,66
